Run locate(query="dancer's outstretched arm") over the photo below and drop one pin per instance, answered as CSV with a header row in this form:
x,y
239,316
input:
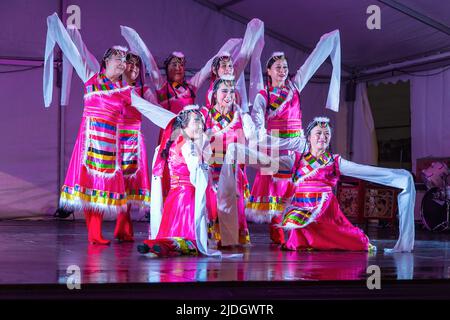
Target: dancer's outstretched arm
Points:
x,y
397,178
67,68
199,78
328,45
154,112
139,47
57,34
254,35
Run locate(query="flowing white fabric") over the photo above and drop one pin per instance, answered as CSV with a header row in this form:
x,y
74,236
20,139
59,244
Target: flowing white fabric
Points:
x,y
67,69
328,45
156,114
226,203
156,206
254,33
365,147
256,74
57,34
397,178
199,178
137,45
249,50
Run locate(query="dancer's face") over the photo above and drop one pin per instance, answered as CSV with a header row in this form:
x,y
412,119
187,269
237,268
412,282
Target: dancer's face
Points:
x,y
319,138
279,72
225,68
175,70
194,129
225,96
115,65
132,69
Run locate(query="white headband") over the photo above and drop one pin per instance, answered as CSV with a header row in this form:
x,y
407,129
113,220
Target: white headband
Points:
x,y
322,119
178,54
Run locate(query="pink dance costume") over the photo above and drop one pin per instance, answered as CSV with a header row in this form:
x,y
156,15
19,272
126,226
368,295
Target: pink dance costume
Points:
x,y
94,179
314,216
223,130
134,161
277,113
178,228
249,48
270,194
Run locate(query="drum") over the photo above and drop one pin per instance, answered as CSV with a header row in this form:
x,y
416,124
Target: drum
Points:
x,y
434,175
434,210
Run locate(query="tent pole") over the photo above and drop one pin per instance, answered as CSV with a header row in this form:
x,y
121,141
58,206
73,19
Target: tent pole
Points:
x,y
61,114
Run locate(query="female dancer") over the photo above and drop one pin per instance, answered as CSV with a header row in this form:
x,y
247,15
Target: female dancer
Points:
x,y
180,228
225,124
277,111
226,63
312,214
94,181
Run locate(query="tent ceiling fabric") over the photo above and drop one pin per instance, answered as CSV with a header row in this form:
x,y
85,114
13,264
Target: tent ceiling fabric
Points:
x,y
400,36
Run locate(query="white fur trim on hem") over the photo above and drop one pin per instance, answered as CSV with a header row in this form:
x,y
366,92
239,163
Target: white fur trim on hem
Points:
x,y
261,216
79,205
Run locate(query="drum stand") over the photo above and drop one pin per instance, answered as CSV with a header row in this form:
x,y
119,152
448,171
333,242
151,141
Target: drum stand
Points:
x,y
446,224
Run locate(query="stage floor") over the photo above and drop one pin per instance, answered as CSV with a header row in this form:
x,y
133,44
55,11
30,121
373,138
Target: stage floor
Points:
x,y
40,252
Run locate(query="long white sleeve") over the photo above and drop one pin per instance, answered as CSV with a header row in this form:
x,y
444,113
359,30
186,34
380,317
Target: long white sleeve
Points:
x,y
259,113
256,75
197,80
328,45
155,113
248,126
138,46
241,90
57,34
396,178
253,34
157,203
90,60
199,178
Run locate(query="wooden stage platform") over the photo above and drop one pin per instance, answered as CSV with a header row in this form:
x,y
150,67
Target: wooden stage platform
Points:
x,y
35,256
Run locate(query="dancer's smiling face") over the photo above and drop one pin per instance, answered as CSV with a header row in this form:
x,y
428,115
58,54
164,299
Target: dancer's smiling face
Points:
x,y
225,96
175,70
278,72
225,67
194,128
132,68
115,65
319,138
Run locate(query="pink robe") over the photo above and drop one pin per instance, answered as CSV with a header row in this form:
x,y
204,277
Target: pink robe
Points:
x,y
94,179
314,217
270,194
223,132
176,96
179,206
134,160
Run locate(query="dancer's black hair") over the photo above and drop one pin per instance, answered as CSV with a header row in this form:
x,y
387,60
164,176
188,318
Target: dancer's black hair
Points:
x,y
141,78
180,122
169,81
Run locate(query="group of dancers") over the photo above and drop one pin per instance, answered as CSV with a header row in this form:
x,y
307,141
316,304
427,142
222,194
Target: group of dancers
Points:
x,y
199,195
